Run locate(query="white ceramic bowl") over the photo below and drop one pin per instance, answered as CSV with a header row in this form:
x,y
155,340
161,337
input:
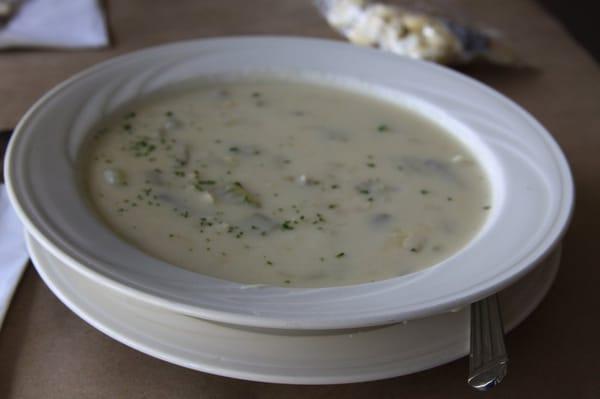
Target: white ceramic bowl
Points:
x,y
531,183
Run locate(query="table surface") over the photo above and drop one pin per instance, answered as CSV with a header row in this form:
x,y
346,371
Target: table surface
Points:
x,y
46,351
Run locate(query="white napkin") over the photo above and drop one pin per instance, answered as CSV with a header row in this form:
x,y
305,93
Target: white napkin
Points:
x,y
13,253
55,23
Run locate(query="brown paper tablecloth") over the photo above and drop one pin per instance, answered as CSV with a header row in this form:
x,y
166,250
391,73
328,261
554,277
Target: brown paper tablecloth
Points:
x,y
48,352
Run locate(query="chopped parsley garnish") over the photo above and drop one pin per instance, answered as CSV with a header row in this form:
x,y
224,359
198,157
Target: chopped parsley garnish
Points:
x,y
320,219
142,147
340,255
383,128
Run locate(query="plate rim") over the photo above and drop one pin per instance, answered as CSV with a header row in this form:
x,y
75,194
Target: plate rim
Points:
x,y
447,354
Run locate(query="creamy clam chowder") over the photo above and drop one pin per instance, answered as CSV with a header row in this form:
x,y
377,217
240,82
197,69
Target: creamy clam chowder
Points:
x,y
288,183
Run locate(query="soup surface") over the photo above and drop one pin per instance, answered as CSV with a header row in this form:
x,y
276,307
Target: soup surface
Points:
x,y
285,183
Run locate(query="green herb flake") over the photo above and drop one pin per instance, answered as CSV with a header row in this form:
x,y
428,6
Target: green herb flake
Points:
x,y
142,148
340,255
424,192
383,128
238,190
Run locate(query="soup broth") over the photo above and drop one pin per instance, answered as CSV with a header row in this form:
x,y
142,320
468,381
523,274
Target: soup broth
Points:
x,y
285,183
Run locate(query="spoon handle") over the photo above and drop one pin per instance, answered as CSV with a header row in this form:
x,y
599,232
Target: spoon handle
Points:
x,y
488,359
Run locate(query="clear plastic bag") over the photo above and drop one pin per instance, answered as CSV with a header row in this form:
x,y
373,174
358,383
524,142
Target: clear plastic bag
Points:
x,y
414,31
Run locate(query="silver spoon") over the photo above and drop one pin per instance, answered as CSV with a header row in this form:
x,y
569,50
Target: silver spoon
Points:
x,y
488,359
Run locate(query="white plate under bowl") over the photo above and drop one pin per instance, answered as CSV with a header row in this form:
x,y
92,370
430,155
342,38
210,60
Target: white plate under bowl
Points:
x,y
331,358
532,187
